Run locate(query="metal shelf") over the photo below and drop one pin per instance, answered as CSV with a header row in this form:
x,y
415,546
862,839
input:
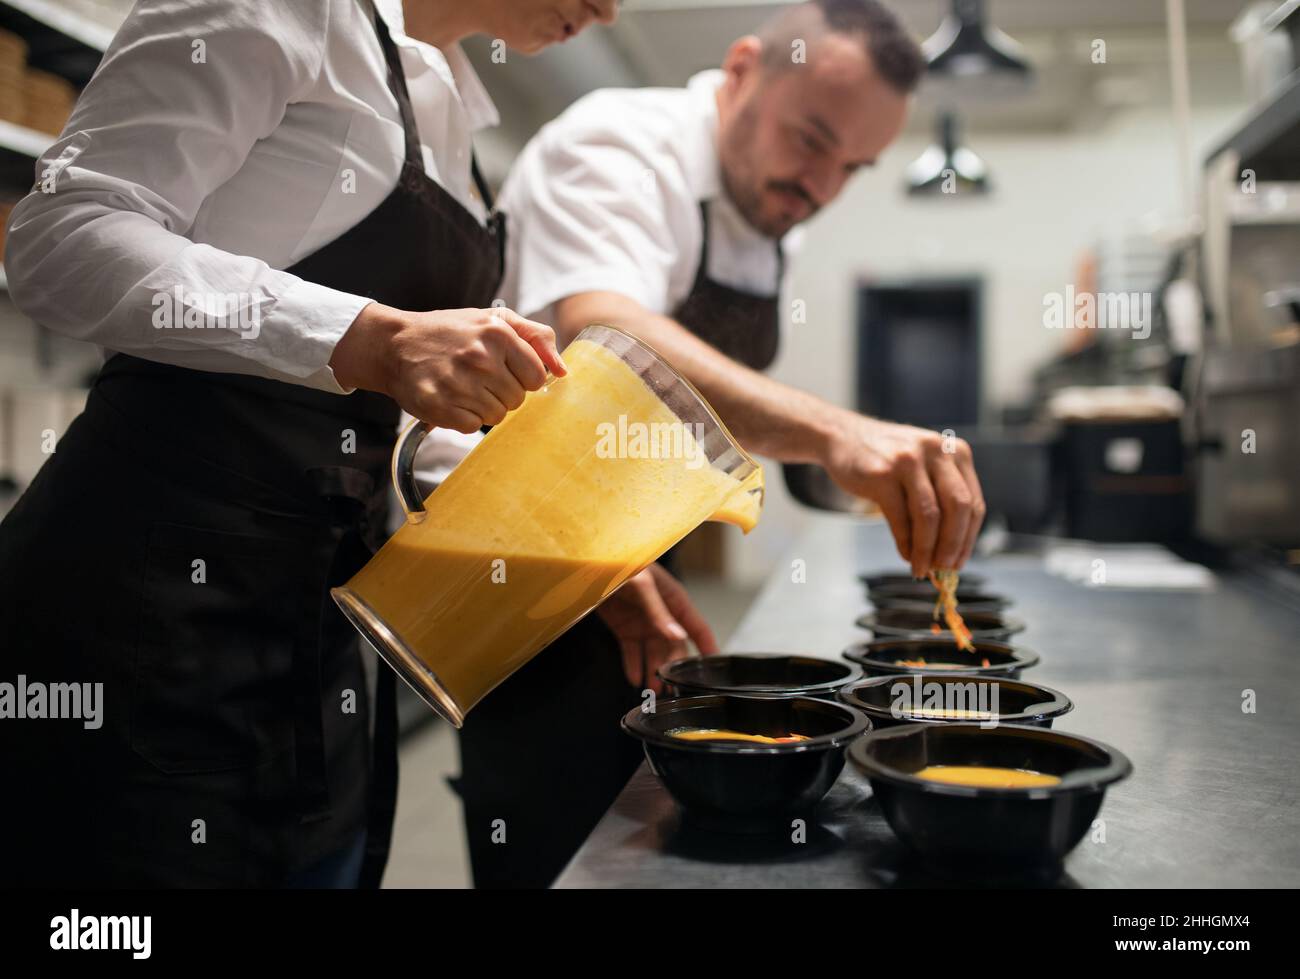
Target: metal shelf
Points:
x,y
26,142
20,148
1269,141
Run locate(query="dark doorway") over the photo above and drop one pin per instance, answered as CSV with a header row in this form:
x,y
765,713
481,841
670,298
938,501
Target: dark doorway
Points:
x,y
919,351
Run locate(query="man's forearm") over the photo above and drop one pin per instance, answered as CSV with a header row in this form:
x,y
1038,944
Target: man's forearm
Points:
x,y
768,417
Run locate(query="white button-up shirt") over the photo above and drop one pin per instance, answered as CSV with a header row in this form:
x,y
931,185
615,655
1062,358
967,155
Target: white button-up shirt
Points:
x,y
607,198
219,142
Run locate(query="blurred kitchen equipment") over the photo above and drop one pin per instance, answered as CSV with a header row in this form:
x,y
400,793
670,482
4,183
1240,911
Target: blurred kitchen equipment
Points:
x,y
1245,388
1125,566
1265,52
812,486
1249,461
590,480
1120,465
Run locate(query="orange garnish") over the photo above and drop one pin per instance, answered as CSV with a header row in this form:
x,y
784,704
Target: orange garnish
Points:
x,y
946,603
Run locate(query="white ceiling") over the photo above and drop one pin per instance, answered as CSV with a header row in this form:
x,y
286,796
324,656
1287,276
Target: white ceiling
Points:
x,y
662,42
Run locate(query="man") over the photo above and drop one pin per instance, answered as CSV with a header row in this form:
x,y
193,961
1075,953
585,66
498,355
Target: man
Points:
x,y
662,212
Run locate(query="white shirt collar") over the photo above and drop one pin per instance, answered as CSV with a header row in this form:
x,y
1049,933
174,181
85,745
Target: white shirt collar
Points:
x,y
706,175
452,66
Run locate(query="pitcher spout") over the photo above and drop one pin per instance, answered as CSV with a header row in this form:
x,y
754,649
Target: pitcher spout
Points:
x,y
743,506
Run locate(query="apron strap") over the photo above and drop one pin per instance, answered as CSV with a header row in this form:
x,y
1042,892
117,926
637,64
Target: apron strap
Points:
x,y
397,85
382,804
484,191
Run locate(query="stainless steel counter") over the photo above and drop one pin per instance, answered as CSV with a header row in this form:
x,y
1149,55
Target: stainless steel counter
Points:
x,y
1215,797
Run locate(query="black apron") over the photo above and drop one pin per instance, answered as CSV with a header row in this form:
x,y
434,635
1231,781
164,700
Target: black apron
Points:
x,y
745,326
178,548
551,791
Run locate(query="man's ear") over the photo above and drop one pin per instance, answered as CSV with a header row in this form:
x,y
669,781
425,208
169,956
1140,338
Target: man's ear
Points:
x,y
742,59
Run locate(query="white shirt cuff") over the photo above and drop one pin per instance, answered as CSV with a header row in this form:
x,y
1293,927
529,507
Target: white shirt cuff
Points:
x,y
316,317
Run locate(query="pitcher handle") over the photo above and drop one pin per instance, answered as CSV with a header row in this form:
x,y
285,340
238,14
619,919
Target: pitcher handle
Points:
x,y
408,491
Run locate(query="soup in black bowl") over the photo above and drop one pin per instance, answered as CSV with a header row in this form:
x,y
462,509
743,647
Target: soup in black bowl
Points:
x,y
971,800
740,785
890,657
954,698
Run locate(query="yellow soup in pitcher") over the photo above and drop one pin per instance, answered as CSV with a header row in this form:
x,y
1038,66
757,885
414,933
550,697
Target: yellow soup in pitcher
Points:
x,y
538,524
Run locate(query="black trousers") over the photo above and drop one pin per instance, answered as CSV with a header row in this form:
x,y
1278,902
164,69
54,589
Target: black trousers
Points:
x,y
543,757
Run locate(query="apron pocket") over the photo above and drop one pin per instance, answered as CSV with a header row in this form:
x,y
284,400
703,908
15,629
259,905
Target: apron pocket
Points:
x,y
213,668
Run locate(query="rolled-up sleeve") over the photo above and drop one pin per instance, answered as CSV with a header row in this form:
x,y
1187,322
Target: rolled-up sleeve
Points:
x,y
98,250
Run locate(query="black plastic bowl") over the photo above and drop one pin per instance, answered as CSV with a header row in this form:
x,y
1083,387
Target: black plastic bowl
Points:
x,y
880,657
921,596
958,828
889,705
742,787
778,674
917,622
885,579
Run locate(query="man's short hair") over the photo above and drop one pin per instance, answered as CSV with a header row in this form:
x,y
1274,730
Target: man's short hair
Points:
x,y
894,52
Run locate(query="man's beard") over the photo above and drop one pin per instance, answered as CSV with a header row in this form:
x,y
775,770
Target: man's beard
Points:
x,y
747,197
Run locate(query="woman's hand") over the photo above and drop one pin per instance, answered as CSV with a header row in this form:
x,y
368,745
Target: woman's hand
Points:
x,y
450,368
652,617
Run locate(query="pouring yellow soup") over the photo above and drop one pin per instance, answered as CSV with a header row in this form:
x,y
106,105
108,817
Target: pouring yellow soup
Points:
x,y
988,778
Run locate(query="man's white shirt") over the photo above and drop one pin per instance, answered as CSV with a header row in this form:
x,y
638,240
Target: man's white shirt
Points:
x,y
607,198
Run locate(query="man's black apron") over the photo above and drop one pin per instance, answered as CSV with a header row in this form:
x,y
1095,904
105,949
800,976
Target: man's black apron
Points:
x,y
179,547
550,792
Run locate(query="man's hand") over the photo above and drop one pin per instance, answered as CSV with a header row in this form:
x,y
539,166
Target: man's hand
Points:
x,y
923,482
652,616
450,368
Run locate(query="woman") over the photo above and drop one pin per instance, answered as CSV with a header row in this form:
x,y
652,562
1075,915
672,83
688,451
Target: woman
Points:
x,y
243,213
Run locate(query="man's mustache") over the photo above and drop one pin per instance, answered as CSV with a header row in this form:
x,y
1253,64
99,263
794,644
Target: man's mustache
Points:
x,y
796,189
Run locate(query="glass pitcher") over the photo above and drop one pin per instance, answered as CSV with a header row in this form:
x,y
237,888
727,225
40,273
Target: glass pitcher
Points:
x,y
590,480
